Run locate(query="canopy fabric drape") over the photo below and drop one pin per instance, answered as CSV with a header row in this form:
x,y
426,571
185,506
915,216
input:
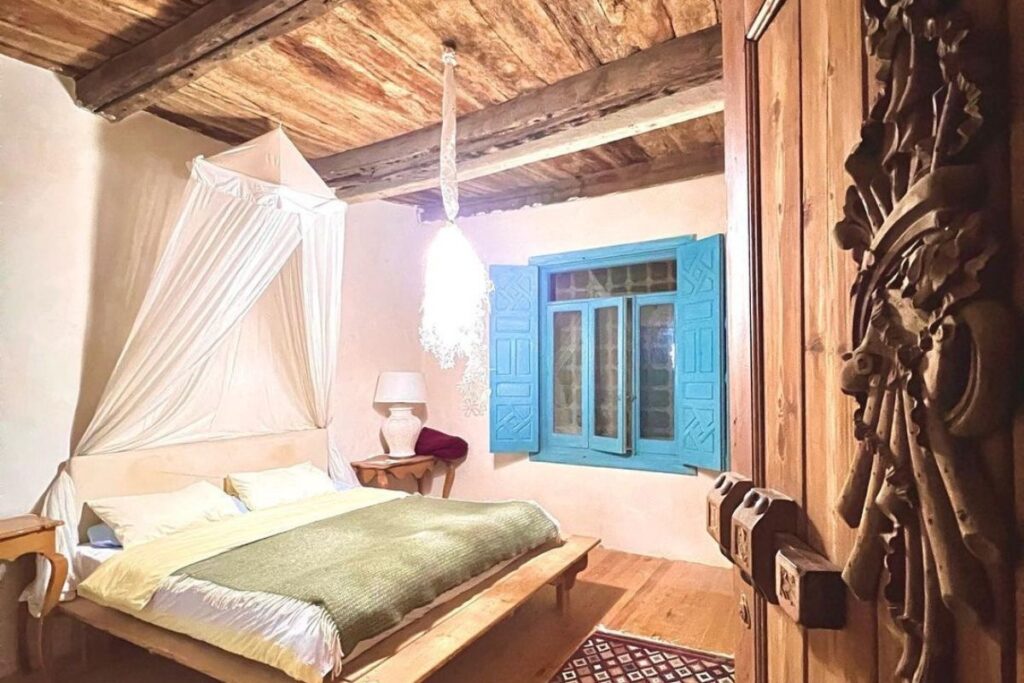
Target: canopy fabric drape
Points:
x,y
238,332
223,254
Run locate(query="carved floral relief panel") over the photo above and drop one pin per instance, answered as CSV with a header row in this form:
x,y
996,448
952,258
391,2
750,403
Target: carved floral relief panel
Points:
x,y
933,367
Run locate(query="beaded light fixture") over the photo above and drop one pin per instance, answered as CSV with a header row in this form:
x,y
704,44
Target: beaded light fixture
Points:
x,y
456,286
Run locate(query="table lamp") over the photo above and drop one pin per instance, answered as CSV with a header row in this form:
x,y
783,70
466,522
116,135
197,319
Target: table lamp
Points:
x,y
401,390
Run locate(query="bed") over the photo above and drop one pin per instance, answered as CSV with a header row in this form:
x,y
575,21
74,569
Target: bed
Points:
x,y
185,609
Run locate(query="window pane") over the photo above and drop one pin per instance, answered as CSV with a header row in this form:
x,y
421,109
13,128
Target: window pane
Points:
x,y
657,361
567,376
606,372
595,283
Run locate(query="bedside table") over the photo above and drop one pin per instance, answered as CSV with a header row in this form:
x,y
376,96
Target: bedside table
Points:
x,y
380,470
34,534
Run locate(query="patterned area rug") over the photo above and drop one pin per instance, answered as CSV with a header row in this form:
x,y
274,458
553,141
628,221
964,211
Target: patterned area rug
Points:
x,y
607,657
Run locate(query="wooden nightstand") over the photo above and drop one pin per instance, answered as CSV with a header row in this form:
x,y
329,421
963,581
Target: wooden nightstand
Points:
x,y
380,470
34,534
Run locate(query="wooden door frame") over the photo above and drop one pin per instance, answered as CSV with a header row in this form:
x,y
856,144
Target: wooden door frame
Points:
x,y
745,310
762,20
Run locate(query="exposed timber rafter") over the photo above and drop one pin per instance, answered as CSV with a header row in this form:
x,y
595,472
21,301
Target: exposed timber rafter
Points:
x,y
217,31
673,82
708,160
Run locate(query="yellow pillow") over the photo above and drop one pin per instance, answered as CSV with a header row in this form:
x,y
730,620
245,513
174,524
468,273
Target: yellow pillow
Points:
x,y
280,485
137,519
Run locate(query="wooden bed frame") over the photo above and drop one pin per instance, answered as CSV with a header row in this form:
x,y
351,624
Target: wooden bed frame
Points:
x,y
412,654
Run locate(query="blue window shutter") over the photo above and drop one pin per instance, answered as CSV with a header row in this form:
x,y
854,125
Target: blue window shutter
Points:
x,y
514,360
701,353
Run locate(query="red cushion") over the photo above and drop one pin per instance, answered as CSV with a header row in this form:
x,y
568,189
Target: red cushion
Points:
x,y
441,445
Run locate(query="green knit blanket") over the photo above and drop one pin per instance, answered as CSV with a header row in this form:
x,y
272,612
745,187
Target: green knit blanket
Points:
x,y
371,567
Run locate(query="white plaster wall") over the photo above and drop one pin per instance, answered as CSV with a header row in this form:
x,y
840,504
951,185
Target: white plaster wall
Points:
x,y
82,207
380,313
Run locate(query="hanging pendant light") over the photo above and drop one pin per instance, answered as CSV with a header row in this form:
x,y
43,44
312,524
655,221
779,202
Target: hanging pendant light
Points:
x,y
456,286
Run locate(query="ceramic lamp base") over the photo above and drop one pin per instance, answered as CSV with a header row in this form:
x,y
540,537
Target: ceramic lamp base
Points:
x,y
400,431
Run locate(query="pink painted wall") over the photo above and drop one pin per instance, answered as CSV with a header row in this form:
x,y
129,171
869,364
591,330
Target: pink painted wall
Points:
x,y
643,512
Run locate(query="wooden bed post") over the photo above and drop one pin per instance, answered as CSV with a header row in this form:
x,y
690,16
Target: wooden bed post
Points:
x,y
564,583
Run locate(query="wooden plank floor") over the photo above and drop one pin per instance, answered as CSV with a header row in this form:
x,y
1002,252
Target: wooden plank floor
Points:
x,y
685,603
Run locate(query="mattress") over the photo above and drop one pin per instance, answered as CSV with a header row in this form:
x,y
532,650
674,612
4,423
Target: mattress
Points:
x,y
305,631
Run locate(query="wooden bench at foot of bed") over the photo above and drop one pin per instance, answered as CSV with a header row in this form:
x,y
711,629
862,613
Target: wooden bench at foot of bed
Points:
x,y
409,656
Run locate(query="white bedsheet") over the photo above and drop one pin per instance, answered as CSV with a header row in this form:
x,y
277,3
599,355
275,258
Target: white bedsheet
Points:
x,y
304,629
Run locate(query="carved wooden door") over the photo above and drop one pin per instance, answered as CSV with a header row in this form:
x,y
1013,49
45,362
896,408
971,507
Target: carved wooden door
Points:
x,y
882,414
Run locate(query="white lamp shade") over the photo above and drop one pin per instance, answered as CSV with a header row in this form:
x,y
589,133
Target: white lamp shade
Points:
x,y
400,387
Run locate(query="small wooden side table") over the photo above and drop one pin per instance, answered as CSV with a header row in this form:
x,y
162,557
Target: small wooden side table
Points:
x,y
375,471
34,534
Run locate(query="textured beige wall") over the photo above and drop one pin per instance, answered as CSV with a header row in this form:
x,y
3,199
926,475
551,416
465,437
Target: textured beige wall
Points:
x,y
380,311
643,512
82,207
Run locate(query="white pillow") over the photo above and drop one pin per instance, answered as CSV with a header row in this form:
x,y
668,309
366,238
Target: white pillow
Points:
x,y
137,519
268,488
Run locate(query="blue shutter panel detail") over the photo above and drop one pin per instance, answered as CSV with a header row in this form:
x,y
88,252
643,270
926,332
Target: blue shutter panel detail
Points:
x,y
514,360
701,353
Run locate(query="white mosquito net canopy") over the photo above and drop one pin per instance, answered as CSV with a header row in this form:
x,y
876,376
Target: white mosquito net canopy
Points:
x,y
238,332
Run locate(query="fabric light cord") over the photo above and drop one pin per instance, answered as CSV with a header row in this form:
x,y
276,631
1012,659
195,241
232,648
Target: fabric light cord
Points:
x,y
449,175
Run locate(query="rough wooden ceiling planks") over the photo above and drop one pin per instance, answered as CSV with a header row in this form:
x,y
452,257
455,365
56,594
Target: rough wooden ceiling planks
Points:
x,y
75,36
369,69
690,138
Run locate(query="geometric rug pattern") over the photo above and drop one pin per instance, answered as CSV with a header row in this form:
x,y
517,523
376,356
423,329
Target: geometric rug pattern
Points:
x,y
607,657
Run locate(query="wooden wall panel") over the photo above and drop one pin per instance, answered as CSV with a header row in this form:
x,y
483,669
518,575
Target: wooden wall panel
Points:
x,y
782,287
782,246
782,282
832,77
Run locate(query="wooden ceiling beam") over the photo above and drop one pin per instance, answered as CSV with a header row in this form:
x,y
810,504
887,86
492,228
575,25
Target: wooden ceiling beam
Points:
x,y
217,31
675,81
709,160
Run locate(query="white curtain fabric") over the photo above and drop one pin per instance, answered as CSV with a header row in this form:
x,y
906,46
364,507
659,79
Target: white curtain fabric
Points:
x,y
224,252
238,332
320,282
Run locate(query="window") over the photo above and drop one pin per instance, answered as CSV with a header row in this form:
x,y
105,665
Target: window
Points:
x,y
612,357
